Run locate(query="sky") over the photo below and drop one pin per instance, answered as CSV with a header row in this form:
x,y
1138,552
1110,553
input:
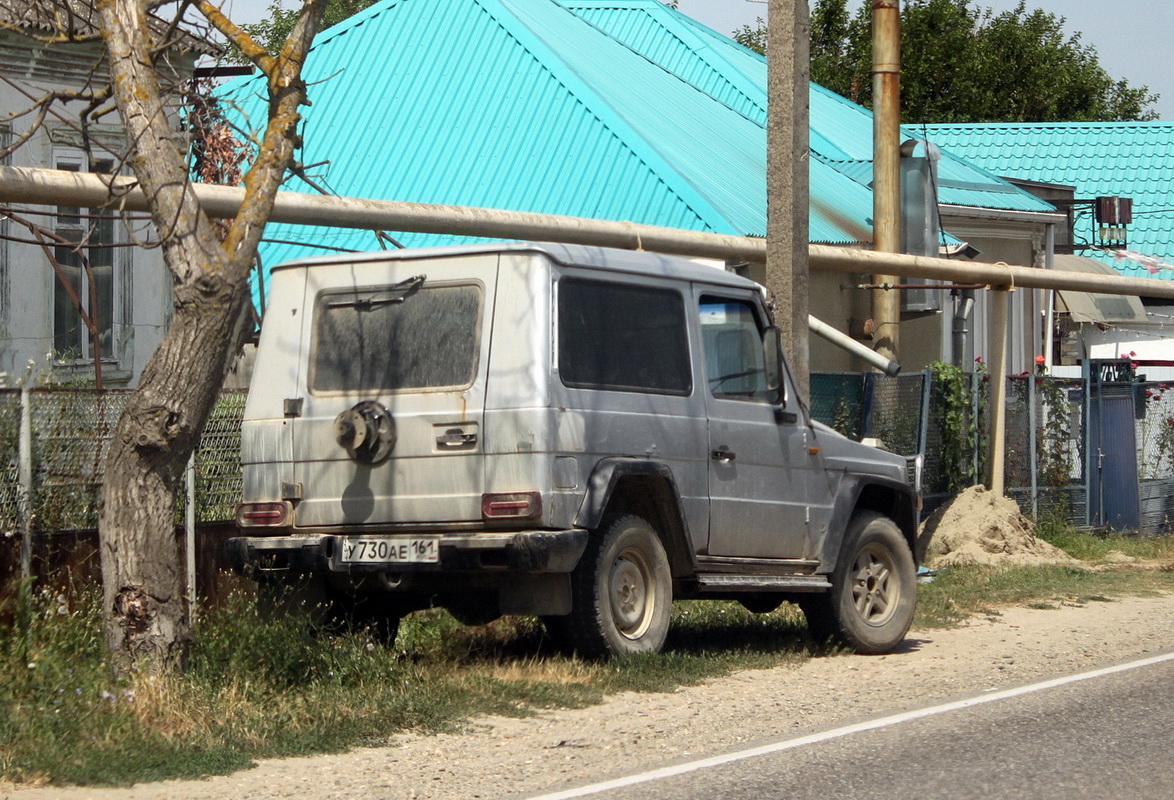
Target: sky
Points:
x,y
1134,39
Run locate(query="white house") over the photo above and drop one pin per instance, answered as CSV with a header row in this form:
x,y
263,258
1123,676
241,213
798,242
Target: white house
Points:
x,y
55,258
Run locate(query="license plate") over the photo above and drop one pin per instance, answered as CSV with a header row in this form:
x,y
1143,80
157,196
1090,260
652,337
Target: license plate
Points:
x,y
416,550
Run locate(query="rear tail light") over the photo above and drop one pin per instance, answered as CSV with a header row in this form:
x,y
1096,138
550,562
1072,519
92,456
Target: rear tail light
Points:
x,y
512,505
264,515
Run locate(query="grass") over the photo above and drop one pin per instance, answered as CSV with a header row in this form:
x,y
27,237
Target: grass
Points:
x,y
258,688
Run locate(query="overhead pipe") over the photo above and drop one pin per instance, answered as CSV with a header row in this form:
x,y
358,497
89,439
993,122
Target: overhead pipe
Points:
x,y
886,166
28,185
846,342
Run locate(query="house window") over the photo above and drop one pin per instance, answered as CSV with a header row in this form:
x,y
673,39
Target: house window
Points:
x,y
85,239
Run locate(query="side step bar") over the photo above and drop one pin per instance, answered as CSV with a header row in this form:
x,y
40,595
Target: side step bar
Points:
x,y
762,583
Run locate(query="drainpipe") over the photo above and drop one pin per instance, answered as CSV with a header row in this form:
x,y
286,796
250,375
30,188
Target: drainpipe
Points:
x,y
1050,296
886,166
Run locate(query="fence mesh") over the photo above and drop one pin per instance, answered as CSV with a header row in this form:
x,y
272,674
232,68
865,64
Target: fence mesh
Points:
x,y
838,401
1046,432
219,480
9,462
71,433
896,413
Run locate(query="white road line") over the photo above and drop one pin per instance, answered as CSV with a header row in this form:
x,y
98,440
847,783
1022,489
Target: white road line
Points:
x,y
836,733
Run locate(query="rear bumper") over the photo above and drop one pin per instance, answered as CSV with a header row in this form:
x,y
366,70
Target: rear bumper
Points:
x,y
529,551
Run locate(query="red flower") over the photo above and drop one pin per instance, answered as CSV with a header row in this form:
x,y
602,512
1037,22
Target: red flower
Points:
x,y
1039,359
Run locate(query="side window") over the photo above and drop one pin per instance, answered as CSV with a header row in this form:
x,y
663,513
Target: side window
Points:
x,y
622,337
735,363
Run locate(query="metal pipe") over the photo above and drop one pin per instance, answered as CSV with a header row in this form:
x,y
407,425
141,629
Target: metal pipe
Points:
x,y
997,340
836,337
29,185
890,286
1050,302
886,165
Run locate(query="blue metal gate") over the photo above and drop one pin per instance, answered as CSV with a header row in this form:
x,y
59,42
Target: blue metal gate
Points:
x,y
1112,469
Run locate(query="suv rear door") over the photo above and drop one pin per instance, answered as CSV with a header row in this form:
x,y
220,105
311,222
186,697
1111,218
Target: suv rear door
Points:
x,y
414,336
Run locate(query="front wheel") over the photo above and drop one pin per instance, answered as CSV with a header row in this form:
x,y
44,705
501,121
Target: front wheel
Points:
x,y
621,592
874,586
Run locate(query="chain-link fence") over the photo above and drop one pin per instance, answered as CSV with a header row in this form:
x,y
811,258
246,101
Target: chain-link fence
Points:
x,y
70,433
1046,431
1154,428
10,494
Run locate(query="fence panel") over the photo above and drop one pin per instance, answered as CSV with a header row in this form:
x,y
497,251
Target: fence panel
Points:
x,y
896,412
840,401
219,480
9,462
72,429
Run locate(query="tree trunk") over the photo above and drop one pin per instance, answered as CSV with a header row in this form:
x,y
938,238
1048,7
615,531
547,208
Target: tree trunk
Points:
x,y
143,582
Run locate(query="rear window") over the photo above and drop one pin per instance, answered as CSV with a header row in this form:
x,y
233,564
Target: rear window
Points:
x,y
397,339
622,337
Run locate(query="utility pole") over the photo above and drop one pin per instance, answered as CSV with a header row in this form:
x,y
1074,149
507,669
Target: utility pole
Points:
x,y
886,167
787,142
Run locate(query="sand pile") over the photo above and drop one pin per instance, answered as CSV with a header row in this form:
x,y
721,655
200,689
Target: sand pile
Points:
x,y
976,527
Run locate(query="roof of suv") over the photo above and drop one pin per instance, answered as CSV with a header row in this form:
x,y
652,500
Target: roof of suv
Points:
x,y
601,258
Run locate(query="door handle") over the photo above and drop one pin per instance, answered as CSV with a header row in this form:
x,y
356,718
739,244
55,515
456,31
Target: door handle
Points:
x,y
723,454
455,438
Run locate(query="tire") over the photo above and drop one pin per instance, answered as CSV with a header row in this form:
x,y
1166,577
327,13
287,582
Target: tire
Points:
x,y
874,586
621,593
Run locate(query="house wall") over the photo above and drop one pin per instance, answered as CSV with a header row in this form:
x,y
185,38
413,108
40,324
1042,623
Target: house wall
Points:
x,y
141,296
926,337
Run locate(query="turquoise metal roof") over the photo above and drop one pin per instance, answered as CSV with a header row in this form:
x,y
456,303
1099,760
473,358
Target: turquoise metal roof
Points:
x,y
1128,159
519,104
841,131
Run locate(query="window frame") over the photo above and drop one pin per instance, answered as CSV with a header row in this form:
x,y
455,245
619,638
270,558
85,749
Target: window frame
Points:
x,y
322,300
95,236
762,395
679,296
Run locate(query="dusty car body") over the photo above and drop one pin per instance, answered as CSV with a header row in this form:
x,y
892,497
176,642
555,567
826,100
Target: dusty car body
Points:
x,y
578,433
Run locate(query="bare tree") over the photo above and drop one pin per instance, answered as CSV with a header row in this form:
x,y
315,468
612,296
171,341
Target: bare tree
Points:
x,y
143,582
148,622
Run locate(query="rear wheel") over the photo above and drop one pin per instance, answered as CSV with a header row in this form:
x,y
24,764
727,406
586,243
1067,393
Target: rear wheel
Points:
x,y
621,592
871,602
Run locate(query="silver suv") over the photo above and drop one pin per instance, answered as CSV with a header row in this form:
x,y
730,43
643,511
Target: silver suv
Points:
x,y
578,433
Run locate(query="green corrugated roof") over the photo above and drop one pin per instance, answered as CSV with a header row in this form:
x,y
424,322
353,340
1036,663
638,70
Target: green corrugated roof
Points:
x,y
1128,159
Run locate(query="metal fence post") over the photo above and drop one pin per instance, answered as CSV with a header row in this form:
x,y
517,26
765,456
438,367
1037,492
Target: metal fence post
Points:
x,y
1032,426
189,526
25,489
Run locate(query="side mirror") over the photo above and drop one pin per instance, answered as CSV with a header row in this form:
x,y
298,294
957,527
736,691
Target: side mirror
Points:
x,y
772,347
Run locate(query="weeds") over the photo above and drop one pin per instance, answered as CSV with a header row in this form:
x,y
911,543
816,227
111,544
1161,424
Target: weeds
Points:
x,y
259,687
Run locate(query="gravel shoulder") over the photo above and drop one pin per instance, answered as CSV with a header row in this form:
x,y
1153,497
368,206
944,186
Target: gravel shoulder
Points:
x,y
499,757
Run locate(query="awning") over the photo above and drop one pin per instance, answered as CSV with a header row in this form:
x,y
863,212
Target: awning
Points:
x,y
1098,308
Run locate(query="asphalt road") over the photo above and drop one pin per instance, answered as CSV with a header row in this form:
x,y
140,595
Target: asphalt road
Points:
x,y
1105,736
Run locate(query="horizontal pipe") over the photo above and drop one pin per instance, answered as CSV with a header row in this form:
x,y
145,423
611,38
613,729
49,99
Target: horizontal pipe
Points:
x,y
842,340
29,185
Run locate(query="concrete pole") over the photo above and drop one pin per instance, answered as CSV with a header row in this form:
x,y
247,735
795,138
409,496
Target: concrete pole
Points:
x,y
787,154
886,167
